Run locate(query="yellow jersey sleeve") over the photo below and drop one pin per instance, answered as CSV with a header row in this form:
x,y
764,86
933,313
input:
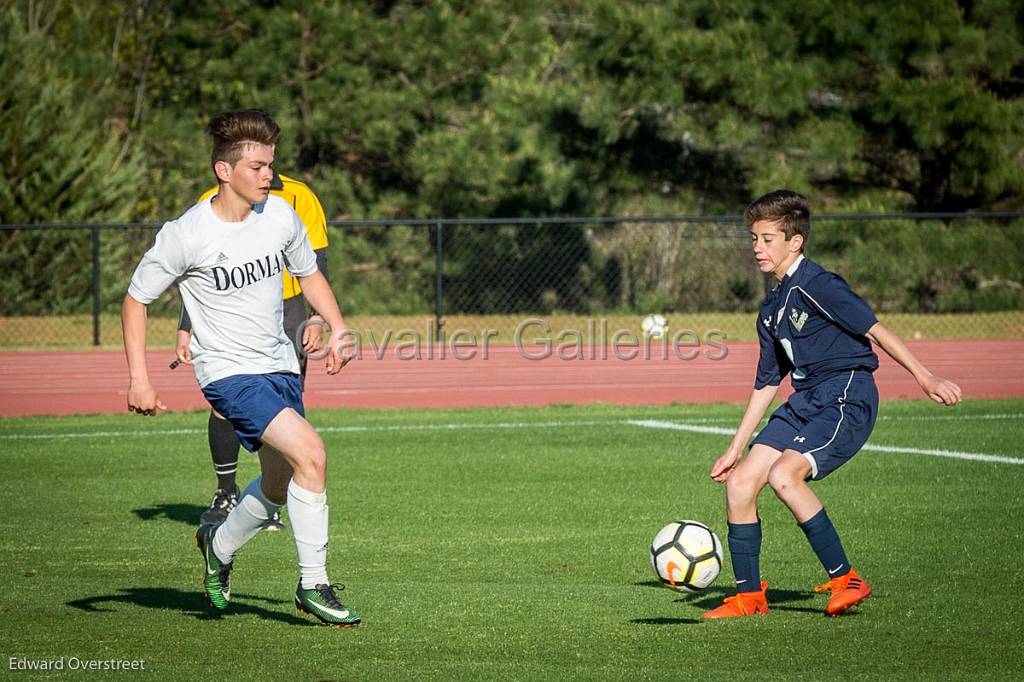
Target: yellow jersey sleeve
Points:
x,y
207,194
311,212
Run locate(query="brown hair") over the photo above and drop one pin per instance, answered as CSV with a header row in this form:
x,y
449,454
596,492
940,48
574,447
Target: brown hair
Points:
x,y
233,130
790,209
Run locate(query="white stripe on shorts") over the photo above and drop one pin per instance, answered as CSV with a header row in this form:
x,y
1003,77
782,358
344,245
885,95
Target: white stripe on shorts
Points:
x,y
842,415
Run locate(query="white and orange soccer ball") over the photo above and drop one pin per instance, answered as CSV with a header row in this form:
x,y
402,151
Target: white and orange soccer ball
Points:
x,y
686,556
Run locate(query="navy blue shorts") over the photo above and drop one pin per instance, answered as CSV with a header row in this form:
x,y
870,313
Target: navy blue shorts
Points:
x,y
827,423
251,401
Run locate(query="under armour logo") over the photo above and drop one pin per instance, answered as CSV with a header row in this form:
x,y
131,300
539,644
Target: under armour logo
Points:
x,y
800,439
767,321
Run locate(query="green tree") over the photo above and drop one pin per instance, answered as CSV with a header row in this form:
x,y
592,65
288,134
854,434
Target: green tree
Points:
x,y
63,158
907,105
491,108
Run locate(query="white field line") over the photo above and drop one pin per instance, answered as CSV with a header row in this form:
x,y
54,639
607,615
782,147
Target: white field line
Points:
x,y
694,425
98,434
326,429
954,454
951,417
456,427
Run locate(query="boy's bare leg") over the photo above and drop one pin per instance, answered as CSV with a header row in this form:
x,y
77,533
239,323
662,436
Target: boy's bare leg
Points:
x,y
295,469
746,481
258,502
788,478
744,484
302,448
276,473
263,496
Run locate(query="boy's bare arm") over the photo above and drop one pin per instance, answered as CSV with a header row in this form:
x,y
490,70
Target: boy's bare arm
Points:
x,y
142,397
938,389
318,292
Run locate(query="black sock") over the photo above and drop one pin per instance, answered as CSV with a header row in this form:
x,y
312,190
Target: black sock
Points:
x,y
826,544
745,552
224,451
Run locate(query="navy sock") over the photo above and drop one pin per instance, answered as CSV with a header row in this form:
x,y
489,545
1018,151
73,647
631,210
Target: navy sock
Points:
x,y
224,451
826,544
745,553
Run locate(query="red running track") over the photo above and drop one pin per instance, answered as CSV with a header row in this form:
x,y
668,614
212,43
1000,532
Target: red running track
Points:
x,y
34,383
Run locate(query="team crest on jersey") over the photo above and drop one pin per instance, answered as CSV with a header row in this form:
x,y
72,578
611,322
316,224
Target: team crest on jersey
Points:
x,y
798,318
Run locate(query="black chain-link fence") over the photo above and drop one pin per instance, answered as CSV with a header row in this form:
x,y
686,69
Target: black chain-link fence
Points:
x,y
935,276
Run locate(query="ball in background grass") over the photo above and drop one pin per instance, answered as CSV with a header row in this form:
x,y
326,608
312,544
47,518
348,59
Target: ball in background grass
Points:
x,y
654,326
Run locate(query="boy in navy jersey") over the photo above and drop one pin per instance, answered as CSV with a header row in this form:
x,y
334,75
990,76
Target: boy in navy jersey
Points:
x,y
815,329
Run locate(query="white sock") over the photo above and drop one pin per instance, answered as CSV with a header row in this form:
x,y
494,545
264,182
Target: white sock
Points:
x,y
244,521
307,513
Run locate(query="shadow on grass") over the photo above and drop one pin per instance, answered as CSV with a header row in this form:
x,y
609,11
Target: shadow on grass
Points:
x,y
778,600
183,513
665,621
712,597
188,603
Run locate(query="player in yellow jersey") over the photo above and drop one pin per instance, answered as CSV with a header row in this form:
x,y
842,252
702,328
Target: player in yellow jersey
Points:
x,y
223,441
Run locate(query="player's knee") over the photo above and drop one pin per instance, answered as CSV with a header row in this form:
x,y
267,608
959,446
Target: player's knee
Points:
x,y
317,452
318,463
740,488
783,478
313,458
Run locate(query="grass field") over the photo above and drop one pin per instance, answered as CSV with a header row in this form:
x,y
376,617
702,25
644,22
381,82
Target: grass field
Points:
x,y
512,544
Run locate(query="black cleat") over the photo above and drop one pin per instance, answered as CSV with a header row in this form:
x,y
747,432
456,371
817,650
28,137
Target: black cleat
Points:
x,y
223,502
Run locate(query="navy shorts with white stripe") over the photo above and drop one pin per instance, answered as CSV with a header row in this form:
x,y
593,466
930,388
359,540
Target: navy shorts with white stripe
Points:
x,y
827,423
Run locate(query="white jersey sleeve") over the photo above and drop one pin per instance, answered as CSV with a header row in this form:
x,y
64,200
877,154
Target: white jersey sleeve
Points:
x,y
299,255
161,266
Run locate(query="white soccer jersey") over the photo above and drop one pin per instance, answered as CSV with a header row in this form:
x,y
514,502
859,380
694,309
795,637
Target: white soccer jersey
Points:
x,y
229,277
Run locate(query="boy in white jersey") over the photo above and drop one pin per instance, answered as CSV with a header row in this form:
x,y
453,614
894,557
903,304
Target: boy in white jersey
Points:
x,y
226,254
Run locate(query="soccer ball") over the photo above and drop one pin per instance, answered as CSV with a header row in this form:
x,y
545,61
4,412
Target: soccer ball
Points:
x,y
654,326
686,556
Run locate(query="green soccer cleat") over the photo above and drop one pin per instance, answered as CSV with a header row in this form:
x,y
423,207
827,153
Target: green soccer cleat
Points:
x,y
323,603
216,576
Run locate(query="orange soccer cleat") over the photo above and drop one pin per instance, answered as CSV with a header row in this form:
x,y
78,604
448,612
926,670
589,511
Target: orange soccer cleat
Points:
x,y
741,604
847,590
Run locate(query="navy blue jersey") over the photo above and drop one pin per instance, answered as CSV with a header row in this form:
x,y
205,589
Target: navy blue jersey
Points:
x,y
813,326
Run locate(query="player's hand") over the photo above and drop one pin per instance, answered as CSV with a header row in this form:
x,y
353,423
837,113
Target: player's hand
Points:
x,y
941,390
340,351
312,335
181,350
724,465
142,398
